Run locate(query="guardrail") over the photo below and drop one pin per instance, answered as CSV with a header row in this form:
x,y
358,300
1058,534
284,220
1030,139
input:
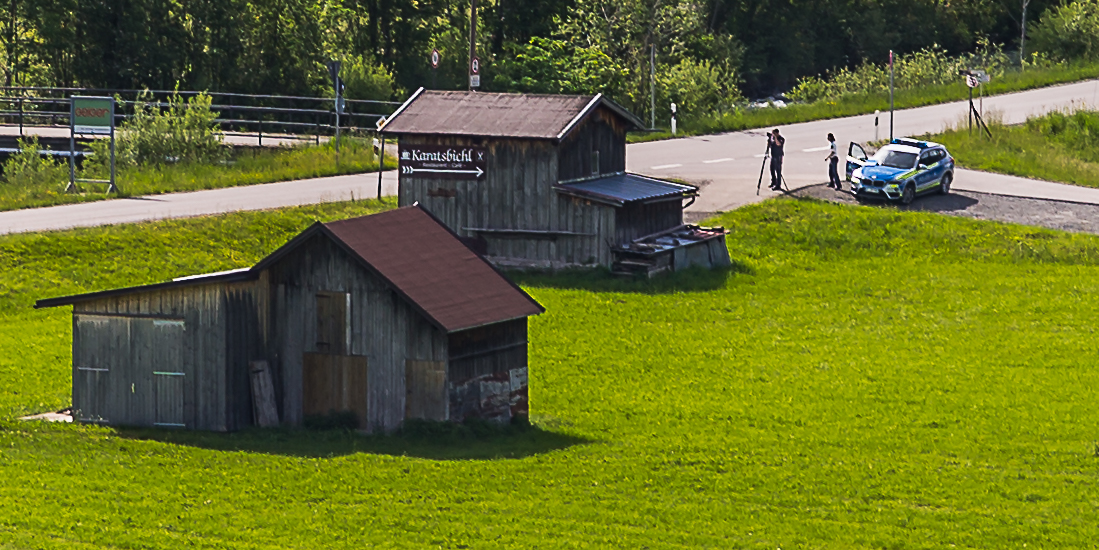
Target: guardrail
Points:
x,y
287,117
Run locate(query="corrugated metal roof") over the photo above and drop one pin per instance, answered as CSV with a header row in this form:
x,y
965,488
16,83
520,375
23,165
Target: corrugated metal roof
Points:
x,y
534,116
427,263
623,188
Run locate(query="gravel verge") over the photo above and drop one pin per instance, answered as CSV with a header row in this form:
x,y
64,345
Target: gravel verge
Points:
x,y
1066,216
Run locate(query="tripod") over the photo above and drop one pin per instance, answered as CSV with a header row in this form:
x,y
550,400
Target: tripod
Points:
x,y
766,157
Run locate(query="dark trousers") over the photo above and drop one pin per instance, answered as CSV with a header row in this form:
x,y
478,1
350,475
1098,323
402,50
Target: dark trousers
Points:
x,y
834,173
776,172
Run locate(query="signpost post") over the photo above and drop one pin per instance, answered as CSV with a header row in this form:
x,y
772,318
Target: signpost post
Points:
x,y
890,95
90,115
337,84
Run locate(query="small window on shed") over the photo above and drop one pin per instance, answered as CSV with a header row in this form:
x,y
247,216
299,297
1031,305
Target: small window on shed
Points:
x,y
333,322
595,163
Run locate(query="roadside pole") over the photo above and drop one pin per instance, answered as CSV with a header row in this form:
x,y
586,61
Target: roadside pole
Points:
x,y
652,87
890,95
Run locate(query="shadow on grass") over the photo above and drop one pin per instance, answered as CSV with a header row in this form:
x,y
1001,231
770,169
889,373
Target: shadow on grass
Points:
x,y
694,279
430,440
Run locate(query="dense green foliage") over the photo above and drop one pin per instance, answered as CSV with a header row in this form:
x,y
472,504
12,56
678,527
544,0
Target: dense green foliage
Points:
x,y
707,51
1070,31
1059,146
31,180
865,378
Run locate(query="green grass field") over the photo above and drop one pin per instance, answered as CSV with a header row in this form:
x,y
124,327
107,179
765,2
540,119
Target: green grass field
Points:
x,y
861,104
863,378
1057,146
246,167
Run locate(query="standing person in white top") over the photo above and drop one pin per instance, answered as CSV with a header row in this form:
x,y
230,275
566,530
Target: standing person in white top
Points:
x,y
833,159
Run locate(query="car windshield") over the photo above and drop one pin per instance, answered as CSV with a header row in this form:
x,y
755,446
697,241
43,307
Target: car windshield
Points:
x,y
895,159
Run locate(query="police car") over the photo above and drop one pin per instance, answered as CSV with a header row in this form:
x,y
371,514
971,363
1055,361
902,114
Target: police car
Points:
x,y
900,170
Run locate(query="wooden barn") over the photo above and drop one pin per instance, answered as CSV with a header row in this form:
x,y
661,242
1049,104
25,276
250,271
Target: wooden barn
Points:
x,y
541,181
390,317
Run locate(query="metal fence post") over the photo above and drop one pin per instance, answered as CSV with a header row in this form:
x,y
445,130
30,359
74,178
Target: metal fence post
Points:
x,y
20,116
261,132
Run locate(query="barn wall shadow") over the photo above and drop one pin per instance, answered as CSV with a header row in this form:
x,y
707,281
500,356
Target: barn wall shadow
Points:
x,y
694,279
430,440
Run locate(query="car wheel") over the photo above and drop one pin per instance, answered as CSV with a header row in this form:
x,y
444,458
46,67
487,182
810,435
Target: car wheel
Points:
x,y
908,195
944,185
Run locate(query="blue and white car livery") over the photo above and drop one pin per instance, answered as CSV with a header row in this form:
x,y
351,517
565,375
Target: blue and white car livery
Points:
x,y
900,170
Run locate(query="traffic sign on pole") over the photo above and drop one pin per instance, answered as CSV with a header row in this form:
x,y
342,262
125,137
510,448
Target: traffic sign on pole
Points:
x,y
435,59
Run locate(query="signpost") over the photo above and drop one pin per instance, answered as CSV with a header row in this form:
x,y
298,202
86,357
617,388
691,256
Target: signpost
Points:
x,y
442,162
974,79
337,84
475,73
90,115
890,95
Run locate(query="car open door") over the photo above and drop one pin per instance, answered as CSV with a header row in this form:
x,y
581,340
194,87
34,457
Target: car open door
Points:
x,y
856,157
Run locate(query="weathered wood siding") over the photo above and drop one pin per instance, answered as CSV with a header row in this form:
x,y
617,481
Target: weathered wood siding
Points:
x,y
383,328
120,342
487,371
638,220
527,221
602,132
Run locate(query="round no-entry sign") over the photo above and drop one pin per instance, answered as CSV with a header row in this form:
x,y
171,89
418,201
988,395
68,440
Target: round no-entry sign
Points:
x,y
435,59
475,66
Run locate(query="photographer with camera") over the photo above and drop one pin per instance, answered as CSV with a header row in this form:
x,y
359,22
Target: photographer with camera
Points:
x,y
775,143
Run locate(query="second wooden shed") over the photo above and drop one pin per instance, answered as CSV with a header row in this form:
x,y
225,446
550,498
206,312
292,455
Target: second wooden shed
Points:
x,y
541,181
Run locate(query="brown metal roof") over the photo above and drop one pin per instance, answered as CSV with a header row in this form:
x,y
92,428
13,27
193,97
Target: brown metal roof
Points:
x,y
533,116
425,261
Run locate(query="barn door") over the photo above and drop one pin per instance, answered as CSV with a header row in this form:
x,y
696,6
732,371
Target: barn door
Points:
x,y
425,389
157,377
96,341
169,399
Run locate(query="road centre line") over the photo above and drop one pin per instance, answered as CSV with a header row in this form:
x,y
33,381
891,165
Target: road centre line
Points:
x,y
760,156
665,166
716,160
815,149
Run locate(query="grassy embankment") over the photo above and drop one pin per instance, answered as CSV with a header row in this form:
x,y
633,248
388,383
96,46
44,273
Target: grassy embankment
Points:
x,y
860,104
1057,146
246,167
866,378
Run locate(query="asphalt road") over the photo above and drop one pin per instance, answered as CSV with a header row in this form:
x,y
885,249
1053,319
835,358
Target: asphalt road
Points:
x,y
728,165
199,203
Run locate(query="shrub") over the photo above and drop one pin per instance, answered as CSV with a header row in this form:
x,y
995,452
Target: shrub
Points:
x,y
186,131
365,79
1069,31
699,88
29,168
927,67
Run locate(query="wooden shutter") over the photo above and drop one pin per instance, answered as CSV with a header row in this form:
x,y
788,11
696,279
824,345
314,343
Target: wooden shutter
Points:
x,y
425,388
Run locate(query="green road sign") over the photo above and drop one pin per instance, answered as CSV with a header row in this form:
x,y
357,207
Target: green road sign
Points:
x,y
92,115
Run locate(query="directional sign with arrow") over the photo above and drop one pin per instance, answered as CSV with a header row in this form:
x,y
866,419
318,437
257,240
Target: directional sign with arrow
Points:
x,y
442,162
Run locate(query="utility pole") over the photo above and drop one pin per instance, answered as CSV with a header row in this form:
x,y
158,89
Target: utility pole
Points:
x,y
472,37
652,86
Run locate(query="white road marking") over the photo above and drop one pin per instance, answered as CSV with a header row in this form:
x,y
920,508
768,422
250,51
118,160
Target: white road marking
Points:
x,y
760,156
666,166
715,160
815,149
